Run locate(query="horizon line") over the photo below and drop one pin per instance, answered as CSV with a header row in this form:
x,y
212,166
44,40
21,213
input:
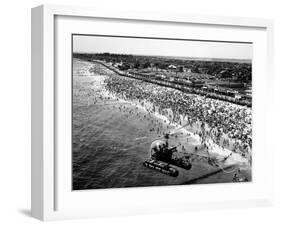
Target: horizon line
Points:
x,y
193,57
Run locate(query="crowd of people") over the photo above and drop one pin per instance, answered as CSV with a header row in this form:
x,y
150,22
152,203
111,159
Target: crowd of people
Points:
x,y
227,124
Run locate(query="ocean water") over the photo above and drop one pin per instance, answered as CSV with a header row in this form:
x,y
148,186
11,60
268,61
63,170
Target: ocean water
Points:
x,y
111,139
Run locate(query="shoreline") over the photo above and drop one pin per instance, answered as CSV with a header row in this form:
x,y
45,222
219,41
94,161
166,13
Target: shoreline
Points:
x,y
216,151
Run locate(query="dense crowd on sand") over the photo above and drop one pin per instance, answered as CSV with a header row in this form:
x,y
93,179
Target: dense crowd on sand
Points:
x,y
227,124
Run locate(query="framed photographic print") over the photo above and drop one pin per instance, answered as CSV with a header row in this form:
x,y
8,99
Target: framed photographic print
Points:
x,y
137,112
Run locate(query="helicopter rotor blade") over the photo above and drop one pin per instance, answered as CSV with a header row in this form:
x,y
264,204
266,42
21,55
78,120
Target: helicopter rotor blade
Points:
x,y
141,138
176,134
176,130
134,146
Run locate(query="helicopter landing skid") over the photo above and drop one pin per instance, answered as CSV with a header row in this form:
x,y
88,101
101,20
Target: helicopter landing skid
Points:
x,y
164,168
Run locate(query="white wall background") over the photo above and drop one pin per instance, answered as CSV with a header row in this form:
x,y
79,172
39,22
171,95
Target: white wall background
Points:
x,y
15,111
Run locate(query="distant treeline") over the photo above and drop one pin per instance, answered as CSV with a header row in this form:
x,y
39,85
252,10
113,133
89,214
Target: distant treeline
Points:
x,y
241,72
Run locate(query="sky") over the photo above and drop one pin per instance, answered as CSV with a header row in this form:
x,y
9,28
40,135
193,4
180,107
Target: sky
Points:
x,y
160,47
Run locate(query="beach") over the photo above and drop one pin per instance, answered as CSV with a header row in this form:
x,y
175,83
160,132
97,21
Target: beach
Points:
x,y
112,135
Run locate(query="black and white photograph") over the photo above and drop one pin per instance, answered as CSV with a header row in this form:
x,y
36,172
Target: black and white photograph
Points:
x,y
156,112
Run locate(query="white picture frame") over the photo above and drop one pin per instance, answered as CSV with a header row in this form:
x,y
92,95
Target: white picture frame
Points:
x,y
46,159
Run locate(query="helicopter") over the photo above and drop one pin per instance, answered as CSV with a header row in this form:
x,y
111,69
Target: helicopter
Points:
x,y
160,151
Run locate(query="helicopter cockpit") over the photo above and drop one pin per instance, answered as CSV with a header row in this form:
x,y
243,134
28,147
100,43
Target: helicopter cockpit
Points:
x,y
160,151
